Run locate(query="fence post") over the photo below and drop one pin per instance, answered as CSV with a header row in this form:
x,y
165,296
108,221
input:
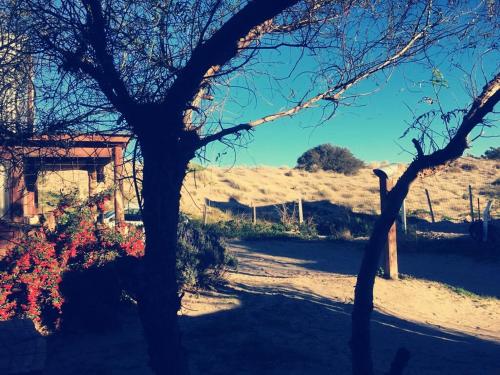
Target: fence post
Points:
x,y
118,169
430,205
391,254
471,204
478,209
205,212
301,212
403,216
254,214
486,219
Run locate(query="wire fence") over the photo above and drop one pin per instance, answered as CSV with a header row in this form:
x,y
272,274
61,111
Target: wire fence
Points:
x,y
446,200
454,195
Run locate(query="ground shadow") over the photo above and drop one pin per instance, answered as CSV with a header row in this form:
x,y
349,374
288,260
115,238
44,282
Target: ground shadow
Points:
x,y
329,217
283,331
443,226
479,275
273,331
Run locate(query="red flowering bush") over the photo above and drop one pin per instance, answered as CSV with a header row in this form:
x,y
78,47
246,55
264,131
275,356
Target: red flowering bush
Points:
x,y
75,270
31,273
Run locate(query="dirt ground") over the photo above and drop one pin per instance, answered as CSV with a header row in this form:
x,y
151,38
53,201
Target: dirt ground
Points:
x,y
286,310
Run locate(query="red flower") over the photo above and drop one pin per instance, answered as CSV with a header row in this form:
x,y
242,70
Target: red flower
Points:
x,y
42,257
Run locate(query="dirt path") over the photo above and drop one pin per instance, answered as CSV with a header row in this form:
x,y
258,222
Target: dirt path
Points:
x,y
286,311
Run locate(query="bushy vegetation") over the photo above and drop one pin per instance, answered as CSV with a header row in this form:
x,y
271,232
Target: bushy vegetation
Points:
x,y
493,153
343,227
468,167
202,257
31,272
78,270
345,224
243,228
330,158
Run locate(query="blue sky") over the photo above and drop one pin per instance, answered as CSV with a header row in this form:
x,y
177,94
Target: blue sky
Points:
x,y
371,128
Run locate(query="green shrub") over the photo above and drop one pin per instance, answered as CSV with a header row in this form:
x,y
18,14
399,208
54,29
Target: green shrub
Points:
x,y
95,296
346,225
202,256
244,229
493,153
92,298
329,158
308,229
469,167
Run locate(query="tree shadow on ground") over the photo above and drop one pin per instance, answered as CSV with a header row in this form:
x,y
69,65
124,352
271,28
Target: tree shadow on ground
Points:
x,y
477,275
273,331
283,331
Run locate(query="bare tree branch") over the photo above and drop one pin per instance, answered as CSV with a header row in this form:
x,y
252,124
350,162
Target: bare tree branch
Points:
x,y
332,94
222,47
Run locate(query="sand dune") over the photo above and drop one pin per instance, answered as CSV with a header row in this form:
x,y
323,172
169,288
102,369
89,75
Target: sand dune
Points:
x,y
448,188
264,186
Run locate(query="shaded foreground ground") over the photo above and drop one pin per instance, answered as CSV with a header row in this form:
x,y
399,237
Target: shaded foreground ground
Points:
x,y
286,311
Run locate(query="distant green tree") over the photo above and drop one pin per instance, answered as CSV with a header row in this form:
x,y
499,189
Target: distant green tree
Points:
x,y
493,153
330,158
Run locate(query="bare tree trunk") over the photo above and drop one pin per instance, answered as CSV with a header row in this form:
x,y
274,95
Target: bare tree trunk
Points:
x,y
362,363
159,299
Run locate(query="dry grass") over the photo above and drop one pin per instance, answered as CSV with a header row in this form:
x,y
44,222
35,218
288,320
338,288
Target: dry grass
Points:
x,y
266,186
448,188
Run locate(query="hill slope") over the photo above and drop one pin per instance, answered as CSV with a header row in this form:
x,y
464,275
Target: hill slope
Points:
x,y
236,189
266,186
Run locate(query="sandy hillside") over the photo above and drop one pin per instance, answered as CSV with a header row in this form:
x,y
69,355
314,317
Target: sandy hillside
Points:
x,y
263,186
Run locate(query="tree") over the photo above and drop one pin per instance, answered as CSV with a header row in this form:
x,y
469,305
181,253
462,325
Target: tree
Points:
x,y
330,158
161,70
493,153
16,87
474,117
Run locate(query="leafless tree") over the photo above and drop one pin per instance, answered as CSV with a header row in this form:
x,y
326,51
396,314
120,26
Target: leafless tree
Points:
x,y
163,70
457,142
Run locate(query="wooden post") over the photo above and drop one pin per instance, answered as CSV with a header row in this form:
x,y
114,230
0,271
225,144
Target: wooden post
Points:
x,y
17,191
92,174
301,212
205,212
30,174
486,219
391,256
478,209
118,175
254,214
430,205
471,204
92,177
29,203
403,216
391,253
